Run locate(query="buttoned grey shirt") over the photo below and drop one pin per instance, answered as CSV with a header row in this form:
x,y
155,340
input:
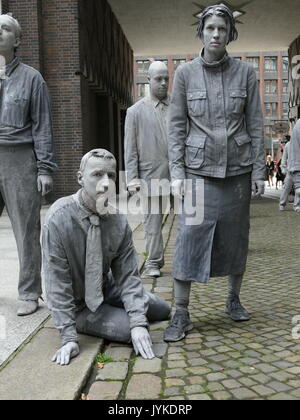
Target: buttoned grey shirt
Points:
x,y
216,121
294,155
64,254
146,143
25,113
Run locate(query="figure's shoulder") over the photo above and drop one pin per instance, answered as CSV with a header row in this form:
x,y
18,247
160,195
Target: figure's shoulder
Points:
x,y
138,105
31,72
60,210
241,65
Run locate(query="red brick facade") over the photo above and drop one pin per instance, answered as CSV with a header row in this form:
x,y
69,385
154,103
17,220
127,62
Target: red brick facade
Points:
x,y
86,113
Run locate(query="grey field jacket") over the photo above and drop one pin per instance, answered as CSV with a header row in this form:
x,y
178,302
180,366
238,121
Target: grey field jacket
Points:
x,y
215,125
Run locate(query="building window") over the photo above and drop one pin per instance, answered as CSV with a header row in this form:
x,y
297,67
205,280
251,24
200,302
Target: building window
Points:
x,y
177,63
271,63
143,90
285,108
268,131
143,66
271,109
270,86
254,61
285,63
285,86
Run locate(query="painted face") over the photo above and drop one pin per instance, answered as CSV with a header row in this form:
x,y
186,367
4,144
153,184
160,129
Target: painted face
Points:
x,y
8,39
215,34
159,83
98,180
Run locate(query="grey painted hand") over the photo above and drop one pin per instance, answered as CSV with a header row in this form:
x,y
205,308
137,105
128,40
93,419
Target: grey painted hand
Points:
x,y
45,184
178,188
66,353
258,188
134,187
142,343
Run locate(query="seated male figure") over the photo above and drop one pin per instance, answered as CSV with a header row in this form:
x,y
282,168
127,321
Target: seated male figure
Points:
x,y
91,272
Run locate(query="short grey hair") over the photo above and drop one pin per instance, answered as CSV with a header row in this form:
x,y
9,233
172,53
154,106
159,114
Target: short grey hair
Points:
x,y
17,26
97,153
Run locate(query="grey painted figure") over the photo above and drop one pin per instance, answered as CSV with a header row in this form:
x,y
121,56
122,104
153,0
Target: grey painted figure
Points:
x,y
146,158
294,163
91,269
216,144
26,157
288,182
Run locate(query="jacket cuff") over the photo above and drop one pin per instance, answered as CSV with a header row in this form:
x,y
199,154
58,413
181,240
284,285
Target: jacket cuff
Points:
x,y
68,334
139,322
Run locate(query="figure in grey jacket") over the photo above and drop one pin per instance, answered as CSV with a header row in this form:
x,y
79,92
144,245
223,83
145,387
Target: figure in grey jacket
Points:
x,y
90,266
26,157
216,150
288,182
146,160
294,163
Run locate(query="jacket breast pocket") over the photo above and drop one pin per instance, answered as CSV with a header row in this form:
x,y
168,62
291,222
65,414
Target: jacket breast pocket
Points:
x,y
14,111
197,103
237,101
244,149
194,151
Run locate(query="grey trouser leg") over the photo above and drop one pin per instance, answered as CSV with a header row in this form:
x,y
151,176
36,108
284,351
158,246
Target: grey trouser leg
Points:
x,y
153,232
288,184
18,190
112,322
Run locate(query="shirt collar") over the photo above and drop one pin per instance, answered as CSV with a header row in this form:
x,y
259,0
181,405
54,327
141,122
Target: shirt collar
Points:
x,y
214,64
84,211
9,68
156,101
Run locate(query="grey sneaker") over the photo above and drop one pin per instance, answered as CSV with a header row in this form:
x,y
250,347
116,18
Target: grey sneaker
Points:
x,y
179,326
151,272
236,311
27,307
282,208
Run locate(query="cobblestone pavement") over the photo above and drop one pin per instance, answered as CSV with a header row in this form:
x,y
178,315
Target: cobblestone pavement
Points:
x,y
221,359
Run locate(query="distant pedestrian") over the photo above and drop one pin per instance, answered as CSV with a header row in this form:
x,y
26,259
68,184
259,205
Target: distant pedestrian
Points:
x,y
279,174
270,170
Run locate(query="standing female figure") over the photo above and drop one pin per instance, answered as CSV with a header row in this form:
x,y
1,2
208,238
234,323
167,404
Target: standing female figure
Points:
x,y
216,150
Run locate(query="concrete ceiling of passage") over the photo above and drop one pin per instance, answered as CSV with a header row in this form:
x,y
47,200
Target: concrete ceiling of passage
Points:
x,y
161,27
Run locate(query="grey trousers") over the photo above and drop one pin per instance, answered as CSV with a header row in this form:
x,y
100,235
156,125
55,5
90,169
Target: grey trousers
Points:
x,y
288,184
154,210
111,321
19,194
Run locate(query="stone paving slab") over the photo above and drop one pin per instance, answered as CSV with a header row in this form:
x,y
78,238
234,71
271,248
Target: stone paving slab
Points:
x,y
32,376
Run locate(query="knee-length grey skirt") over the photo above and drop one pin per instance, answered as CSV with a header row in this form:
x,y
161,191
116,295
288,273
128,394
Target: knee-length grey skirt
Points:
x,y
217,246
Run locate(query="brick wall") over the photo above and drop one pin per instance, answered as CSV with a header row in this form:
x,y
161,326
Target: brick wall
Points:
x,y
61,38
51,44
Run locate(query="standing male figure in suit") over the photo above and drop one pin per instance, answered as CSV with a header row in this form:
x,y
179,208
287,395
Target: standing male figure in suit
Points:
x,y
146,158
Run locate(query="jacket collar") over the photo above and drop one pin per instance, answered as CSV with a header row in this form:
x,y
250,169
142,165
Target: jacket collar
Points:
x,y
9,68
214,64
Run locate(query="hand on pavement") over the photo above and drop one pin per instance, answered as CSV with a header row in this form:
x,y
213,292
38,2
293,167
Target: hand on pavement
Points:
x,y
66,353
142,343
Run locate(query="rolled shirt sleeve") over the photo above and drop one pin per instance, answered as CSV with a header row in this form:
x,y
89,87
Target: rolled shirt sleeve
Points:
x,y
125,271
254,126
58,285
131,151
177,127
42,132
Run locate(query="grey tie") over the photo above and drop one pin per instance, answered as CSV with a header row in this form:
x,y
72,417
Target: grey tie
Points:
x,y
94,265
